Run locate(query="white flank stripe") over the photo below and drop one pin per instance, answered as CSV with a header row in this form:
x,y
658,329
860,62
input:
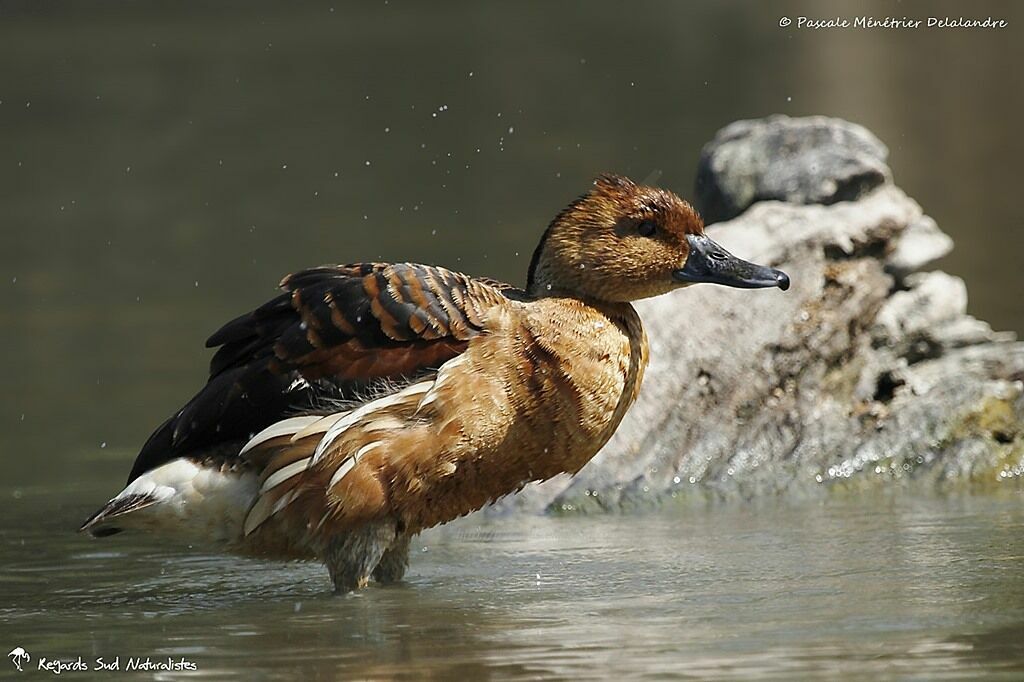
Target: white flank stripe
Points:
x,y
262,510
284,501
319,426
442,375
284,473
338,428
347,465
259,513
384,424
366,448
285,427
352,418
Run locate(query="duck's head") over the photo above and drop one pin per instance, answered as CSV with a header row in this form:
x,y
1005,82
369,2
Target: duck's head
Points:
x,y
622,241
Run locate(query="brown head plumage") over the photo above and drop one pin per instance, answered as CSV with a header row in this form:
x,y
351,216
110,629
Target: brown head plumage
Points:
x,y
622,241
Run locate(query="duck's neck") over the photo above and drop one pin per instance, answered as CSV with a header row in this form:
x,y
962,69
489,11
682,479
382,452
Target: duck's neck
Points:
x,y
540,284
547,280
551,277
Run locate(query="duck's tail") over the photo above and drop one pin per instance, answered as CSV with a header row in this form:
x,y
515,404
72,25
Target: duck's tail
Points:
x,y
103,523
195,500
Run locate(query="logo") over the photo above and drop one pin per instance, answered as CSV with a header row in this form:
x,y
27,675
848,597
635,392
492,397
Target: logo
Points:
x,y
19,657
58,666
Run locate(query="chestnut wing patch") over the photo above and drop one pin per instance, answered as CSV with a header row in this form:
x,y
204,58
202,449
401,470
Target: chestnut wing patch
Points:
x,y
331,335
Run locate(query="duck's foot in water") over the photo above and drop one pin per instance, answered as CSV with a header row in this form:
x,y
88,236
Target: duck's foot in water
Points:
x,y
351,558
394,562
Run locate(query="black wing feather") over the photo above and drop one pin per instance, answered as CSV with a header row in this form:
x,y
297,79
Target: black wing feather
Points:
x,y
333,330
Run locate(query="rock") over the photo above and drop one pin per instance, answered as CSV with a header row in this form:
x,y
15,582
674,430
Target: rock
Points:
x,y
867,372
813,160
931,299
921,244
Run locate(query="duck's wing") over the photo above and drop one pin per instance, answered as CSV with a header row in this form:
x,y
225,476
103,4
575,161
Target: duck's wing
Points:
x,y
333,333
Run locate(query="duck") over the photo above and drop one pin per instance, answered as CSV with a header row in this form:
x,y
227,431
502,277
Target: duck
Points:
x,y
369,402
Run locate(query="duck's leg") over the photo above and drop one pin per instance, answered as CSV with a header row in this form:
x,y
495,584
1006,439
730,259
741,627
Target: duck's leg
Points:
x,y
351,557
394,562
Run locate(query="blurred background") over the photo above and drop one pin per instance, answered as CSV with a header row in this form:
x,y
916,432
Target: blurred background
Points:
x,y
164,164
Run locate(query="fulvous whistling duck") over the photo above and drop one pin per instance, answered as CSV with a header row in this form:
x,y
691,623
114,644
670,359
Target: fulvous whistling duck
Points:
x,y
369,402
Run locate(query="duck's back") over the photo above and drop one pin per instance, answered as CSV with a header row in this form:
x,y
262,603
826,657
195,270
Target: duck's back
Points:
x,y
334,334
337,335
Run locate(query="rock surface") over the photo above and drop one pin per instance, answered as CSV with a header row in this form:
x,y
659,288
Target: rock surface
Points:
x,y
867,372
814,160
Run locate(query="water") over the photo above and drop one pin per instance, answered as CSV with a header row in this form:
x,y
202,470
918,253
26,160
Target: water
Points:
x,y
163,165
880,588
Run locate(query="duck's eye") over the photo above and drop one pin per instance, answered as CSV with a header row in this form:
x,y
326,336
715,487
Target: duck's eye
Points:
x,y
646,228
717,255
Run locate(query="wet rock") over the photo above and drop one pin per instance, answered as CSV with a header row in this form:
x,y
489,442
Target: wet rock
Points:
x,y
867,372
813,160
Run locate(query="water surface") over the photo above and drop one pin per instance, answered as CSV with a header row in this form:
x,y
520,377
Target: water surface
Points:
x,y
883,588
